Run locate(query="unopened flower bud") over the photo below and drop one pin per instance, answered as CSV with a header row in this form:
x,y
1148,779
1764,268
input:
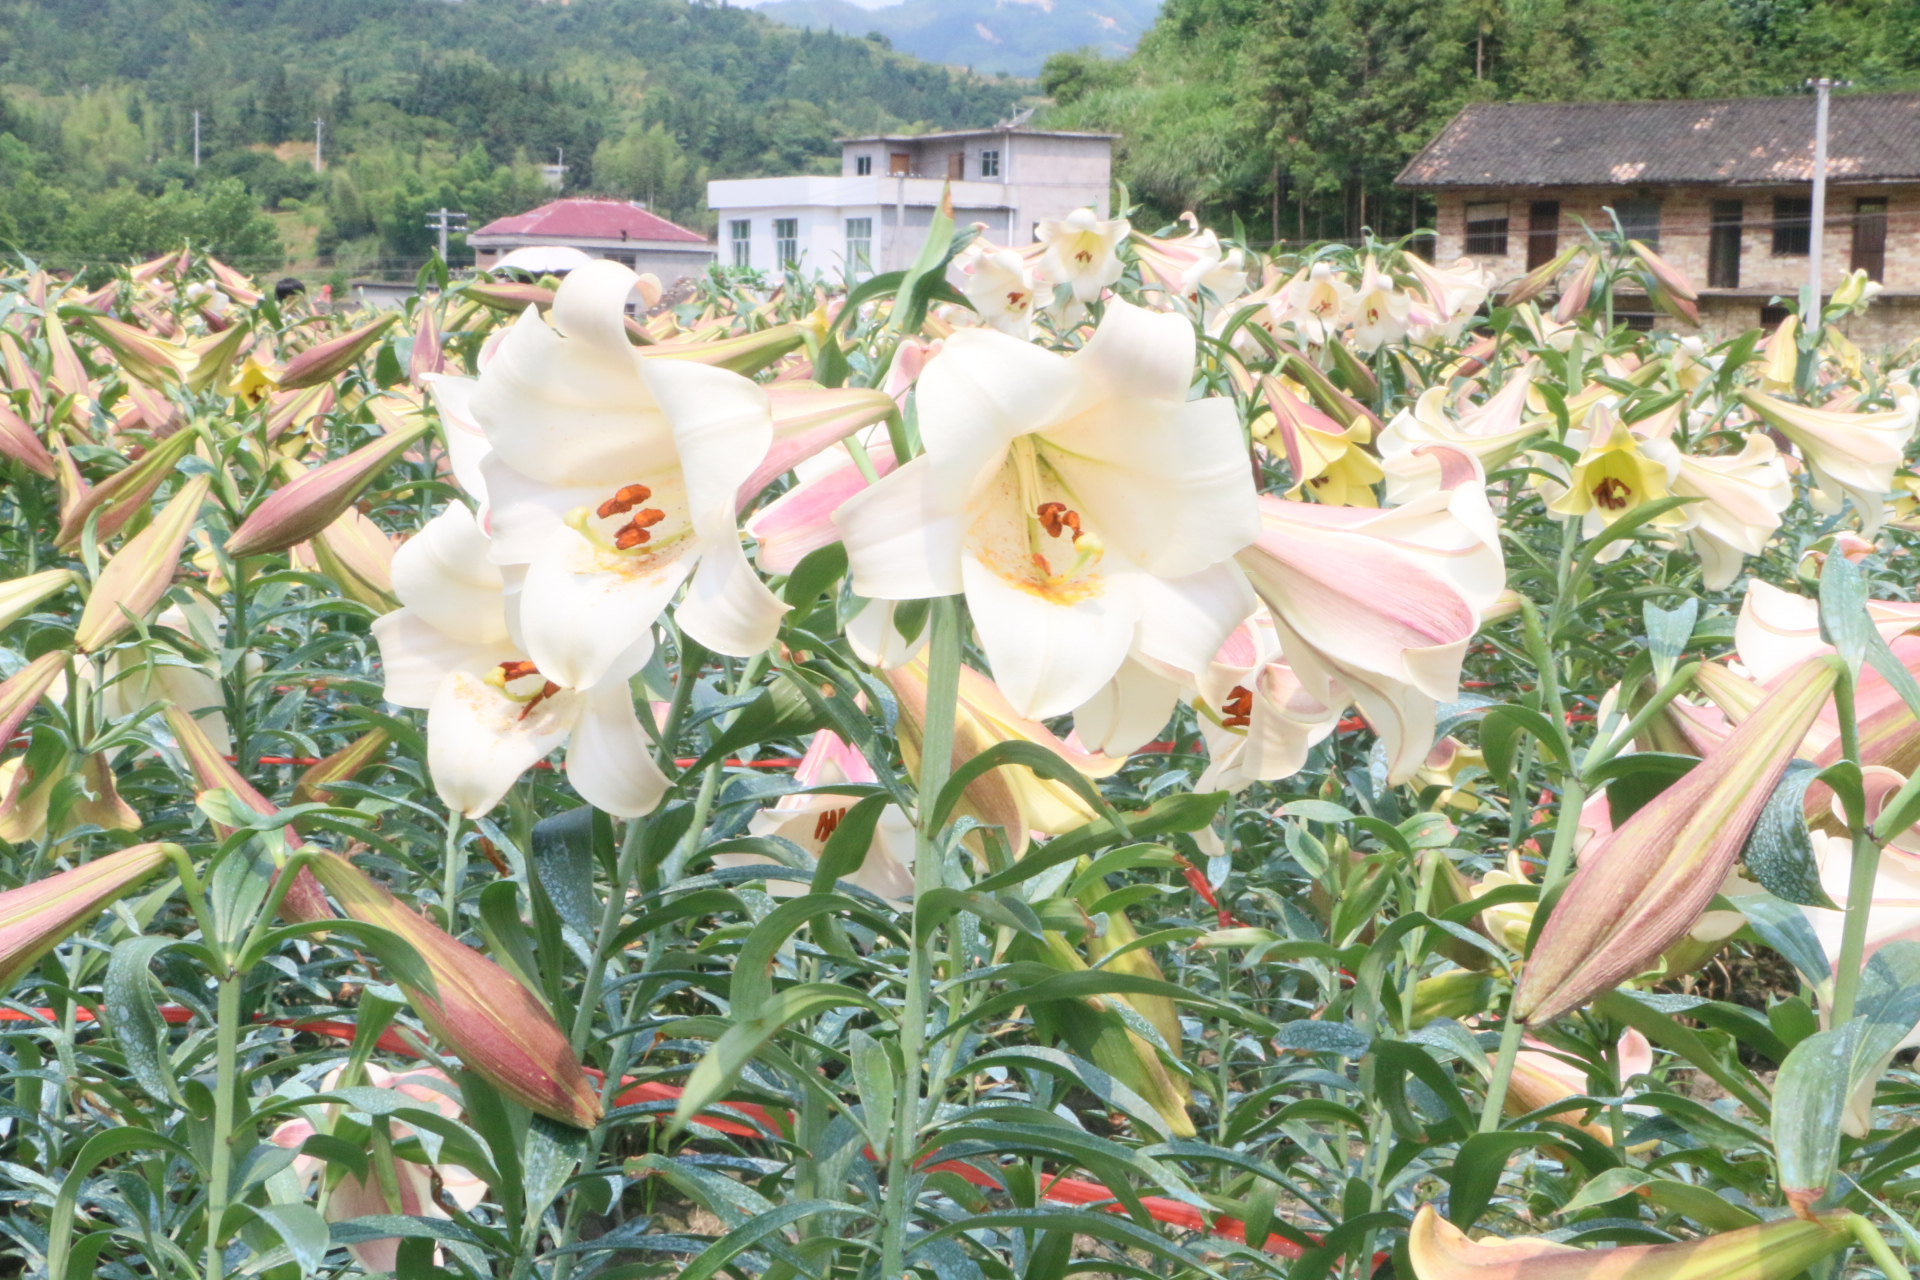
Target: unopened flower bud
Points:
x,y
37,917
328,360
303,507
135,579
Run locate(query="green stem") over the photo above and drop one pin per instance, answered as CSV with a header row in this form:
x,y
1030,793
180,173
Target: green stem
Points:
x,y
455,874
1866,866
936,763
226,1054
1502,1073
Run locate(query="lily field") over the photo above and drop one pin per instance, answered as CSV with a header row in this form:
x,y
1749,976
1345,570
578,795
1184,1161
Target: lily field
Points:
x,y
1127,756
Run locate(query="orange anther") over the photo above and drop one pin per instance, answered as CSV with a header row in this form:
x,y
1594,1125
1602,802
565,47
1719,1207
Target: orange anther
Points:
x,y
518,670
828,823
1238,708
547,690
1612,493
624,499
1055,516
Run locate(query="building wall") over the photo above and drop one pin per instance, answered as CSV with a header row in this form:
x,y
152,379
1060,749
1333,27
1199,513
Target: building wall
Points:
x,y
669,262
1685,238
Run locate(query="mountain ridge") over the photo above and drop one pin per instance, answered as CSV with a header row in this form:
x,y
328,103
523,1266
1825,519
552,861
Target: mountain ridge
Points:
x,y
1009,37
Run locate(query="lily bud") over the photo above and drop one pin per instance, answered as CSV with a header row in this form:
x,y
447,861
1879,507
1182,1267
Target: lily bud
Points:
x,y
809,418
745,355
1538,280
341,766
136,578
18,597
21,692
1574,298
1773,1250
428,357
1783,355
152,267
17,441
328,360
1541,1079
304,900
499,1028
138,352
237,286
1640,888
358,555
37,917
213,357
121,495
69,374
302,508
1670,277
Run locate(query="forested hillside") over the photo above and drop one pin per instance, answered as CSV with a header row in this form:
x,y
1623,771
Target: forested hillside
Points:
x,y
1297,114
421,103
1014,36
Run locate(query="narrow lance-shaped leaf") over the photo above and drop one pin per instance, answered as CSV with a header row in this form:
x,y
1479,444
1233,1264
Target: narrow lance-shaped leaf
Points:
x,y
135,579
499,1029
1643,886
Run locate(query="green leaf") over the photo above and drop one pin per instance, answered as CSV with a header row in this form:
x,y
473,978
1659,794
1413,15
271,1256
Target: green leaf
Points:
x,y
779,711
873,1080
752,1232
1625,527
1779,850
1636,778
1844,623
302,1229
1183,811
1784,927
722,1065
818,570
1668,631
562,861
1500,731
134,1016
1809,1099
1031,755
847,847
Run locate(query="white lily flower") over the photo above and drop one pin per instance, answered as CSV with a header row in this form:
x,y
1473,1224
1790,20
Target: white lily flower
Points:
x,y
1081,250
1084,505
1778,630
492,713
1492,432
1258,720
1316,303
999,284
1852,455
1377,607
613,479
1380,311
467,445
809,820
1743,496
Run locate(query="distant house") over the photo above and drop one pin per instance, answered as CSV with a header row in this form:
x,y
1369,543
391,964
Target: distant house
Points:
x,y
617,229
874,216
1722,189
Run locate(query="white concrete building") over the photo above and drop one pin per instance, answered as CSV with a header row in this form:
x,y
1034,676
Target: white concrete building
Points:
x,y
873,217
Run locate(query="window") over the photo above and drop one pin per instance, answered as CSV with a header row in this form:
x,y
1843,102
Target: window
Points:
x,y
1723,245
1487,229
1792,226
786,242
1543,232
859,244
862,166
1771,316
1870,238
956,166
899,164
1640,220
989,164
740,232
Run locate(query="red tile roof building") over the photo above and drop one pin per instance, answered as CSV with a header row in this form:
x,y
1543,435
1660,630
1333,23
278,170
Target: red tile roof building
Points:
x,y
617,229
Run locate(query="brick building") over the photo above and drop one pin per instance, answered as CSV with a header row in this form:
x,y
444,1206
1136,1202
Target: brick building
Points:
x,y
1721,188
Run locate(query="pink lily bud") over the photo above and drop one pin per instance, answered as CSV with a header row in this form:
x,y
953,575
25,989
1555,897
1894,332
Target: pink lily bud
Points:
x,y
341,766
499,1028
1574,298
1773,1250
807,419
138,353
135,579
37,917
237,286
1538,280
17,441
505,295
21,692
213,358
69,374
291,409
303,507
155,266
1671,278
358,555
1643,886
18,597
212,771
428,357
20,375
121,495
328,360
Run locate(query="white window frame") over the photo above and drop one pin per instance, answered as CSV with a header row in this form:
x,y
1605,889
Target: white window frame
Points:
x,y
740,232
786,242
860,245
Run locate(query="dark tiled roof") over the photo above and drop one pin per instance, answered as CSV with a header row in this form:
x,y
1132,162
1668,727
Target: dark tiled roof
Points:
x,y
1871,137
591,220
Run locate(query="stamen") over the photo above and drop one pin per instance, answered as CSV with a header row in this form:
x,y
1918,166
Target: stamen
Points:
x,y
634,532
624,499
1016,299
1612,493
1239,708
547,690
518,670
1055,516
828,823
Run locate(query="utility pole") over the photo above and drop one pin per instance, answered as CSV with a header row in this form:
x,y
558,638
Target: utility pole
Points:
x,y
319,128
196,139
444,221
1818,231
